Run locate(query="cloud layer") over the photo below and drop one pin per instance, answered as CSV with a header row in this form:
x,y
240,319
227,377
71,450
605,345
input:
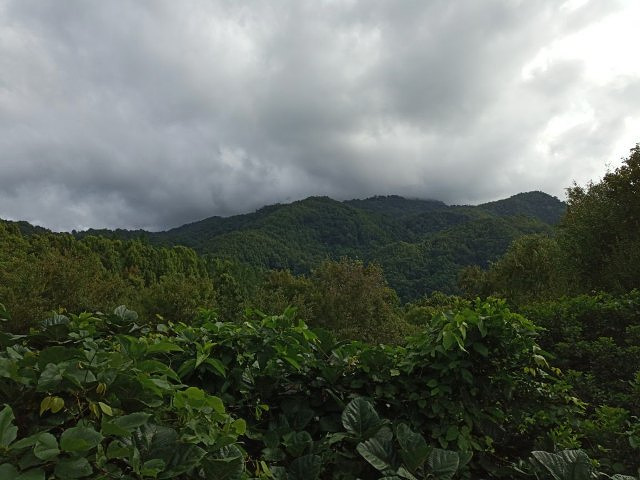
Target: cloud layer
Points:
x,y
156,113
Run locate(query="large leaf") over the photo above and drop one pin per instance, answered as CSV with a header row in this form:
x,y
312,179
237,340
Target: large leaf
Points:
x,y
297,442
125,314
229,466
443,463
8,471
548,462
33,474
151,468
297,412
360,419
163,347
414,449
79,439
307,467
578,466
8,431
51,376
57,354
155,441
378,451
124,425
46,447
77,467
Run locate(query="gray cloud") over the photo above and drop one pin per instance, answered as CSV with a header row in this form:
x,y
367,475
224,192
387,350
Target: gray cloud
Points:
x,y
156,113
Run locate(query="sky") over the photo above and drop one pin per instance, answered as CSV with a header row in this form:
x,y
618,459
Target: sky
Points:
x,y
156,113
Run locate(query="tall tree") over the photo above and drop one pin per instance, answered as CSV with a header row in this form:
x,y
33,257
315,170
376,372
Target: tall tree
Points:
x,y
600,233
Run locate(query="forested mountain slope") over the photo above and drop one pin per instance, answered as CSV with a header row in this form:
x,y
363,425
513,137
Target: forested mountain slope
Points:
x,y
422,244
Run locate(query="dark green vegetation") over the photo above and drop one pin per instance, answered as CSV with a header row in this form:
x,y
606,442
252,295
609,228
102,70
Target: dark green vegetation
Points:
x,y
596,246
420,244
108,396
348,382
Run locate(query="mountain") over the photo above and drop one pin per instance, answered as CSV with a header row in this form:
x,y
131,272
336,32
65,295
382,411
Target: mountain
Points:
x,y
532,204
421,244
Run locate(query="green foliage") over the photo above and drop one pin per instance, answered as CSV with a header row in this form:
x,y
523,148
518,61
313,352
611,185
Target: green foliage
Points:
x,y
408,457
46,272
424,309
532,204
104,396
567,465
601,230
91,397
596,246
421,244
354,301
530,270
594,340
347,297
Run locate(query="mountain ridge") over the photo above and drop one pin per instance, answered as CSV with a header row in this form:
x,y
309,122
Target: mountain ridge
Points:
x,y
421,244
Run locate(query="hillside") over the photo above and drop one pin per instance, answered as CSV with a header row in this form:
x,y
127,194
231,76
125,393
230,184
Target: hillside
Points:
x,y
422,244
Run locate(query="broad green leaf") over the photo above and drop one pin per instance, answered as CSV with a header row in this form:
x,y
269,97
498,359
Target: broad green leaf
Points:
x,y
443,463
79,439
151,468
297,442
447,339
293,362
360,419
106,409
154,366
51,377
125,314
78,376
239,426
414,449
196,398
8,471
549,462
307,467
163,347
406,474
29,441
45,404
217,365
56,404
452,433
186,368
578,466
378,451
464,457
117,449
57,354
46,447
179,457
228,468
77,467
132,421
8,431
33,474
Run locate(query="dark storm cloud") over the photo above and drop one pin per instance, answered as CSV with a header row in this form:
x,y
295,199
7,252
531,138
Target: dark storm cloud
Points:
x,y
155,113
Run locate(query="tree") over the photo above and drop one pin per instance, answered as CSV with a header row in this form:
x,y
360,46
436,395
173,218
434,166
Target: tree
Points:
x,y
354,300
530,270
600,233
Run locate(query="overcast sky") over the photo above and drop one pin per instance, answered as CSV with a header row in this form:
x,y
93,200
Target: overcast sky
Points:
x,y
151,114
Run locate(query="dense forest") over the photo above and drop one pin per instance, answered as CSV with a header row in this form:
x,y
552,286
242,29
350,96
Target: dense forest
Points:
x,y
420,244
379,338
